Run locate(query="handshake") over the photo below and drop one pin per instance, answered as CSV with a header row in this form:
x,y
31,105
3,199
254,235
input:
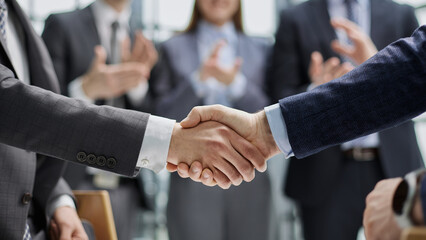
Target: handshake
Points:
x,y
221,146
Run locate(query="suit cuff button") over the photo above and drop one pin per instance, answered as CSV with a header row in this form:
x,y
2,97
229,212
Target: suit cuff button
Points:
x,y
101,161
111,162
81,156
91,159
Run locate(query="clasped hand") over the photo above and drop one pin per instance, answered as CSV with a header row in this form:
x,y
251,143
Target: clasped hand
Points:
x,y
220,145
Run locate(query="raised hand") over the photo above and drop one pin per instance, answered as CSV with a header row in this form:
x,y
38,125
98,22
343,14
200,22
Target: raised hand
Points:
x,y
143,51
322,72
109,81
212,68
217,147
362,47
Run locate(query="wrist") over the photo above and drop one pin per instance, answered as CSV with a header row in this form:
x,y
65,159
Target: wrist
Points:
x,y
263,125
171,157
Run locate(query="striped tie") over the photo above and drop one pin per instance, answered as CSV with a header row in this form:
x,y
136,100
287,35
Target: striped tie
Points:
x,y
3,19
27,234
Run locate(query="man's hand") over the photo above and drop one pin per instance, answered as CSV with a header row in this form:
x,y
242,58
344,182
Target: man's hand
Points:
x,y
143,51
108,81
361,50
322,72
217,147
65,225
379,221
253,127
212,68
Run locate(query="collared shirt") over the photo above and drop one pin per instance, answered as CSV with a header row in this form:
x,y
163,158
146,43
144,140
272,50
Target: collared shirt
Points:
x,y
104,16
213,91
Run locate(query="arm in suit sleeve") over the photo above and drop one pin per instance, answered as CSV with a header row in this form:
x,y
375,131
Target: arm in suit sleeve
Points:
x,y
55,39
383,92
41,121
285,71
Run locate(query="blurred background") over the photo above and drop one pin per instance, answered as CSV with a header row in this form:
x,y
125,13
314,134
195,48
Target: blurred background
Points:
x,y
160,19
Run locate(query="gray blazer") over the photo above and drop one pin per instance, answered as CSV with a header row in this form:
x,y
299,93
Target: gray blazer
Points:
x,y
37,125
180,58
238,213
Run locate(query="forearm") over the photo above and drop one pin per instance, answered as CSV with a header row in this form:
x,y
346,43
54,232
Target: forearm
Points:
x,y
56,126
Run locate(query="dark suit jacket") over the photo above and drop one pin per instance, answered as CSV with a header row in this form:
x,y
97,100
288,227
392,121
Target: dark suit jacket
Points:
x,y
180,58
71,38
37,124
304,29
384,92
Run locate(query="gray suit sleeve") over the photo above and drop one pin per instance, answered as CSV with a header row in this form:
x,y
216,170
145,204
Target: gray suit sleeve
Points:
x,y
41,121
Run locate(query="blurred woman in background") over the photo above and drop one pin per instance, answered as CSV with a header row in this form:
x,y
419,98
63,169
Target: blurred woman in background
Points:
x,y
214,62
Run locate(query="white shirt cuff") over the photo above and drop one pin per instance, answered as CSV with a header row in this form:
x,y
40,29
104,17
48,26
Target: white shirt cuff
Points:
x,y
311,86
137,94
60,201
75,90
156,142
237,88
279,129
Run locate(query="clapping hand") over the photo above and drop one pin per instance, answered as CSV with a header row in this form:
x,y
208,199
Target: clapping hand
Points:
x,y
362,47
211,67
321,72
104,81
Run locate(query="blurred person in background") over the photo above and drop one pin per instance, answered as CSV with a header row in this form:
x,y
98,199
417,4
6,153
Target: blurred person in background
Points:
x,y
99,57
331,186
214,62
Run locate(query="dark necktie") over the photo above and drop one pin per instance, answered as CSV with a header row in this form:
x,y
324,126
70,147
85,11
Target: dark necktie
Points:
x,y
115,58
3,19
350,10
115,52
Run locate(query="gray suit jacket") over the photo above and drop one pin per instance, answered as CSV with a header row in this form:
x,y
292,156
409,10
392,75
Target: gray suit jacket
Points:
x,y
180,58
70,39
37,125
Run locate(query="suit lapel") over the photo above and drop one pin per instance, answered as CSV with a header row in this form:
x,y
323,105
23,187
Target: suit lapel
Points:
x,y
40,65
322,26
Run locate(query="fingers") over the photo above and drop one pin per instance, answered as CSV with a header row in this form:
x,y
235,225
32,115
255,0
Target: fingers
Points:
x,y
229,170
171,167
183,170
348,26
250,157
343,69
202,114
207,178
216,49
342,49
316,67
221,179
100,57
125,50
237,65
195,171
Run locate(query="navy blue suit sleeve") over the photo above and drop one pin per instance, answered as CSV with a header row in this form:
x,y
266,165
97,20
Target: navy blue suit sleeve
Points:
x,y
384,92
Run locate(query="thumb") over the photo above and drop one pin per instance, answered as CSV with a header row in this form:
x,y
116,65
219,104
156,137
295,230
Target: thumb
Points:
x,y
316,64
203,114
100,57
